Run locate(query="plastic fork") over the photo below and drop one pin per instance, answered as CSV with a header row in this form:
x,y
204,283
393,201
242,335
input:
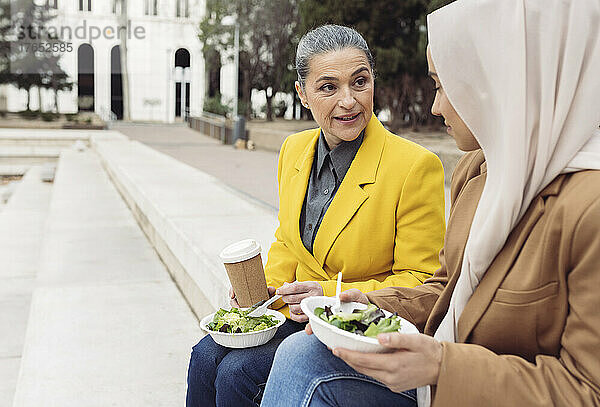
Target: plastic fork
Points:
x,y
260,309
338,289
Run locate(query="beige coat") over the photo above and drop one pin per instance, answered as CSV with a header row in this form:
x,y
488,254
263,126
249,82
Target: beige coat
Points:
x,y
530,334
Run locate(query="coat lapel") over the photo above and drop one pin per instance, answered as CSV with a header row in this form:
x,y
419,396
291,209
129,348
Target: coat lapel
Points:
x,y
298,185
457,233
502,264
350,195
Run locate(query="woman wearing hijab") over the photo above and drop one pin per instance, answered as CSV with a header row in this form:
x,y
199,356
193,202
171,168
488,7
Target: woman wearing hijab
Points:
x,y
513,310
354,198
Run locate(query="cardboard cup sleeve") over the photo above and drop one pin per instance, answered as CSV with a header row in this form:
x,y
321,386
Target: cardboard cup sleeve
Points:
x,y
244,267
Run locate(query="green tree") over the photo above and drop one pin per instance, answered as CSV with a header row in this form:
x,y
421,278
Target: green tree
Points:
x,y
212,69
5,33
267,43
435,4
29,50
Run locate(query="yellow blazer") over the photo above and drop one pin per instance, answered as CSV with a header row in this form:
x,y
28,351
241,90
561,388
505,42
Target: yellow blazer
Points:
x,y
384,227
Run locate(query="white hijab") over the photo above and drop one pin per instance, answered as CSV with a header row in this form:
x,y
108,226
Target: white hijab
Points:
x,y
524,75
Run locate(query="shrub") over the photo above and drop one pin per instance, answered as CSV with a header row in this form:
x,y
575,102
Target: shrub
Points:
x,y
214,105
71,117
29,114
49,116
243,108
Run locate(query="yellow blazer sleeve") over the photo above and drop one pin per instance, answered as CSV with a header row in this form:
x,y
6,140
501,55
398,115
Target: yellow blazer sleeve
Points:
x,y
281,262
420,228
471,375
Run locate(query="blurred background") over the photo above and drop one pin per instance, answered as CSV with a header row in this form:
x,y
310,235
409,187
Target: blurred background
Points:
x,y
88,62
119,185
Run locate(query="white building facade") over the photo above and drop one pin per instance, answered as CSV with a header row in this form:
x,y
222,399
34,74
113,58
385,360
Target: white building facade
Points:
x,y
165,66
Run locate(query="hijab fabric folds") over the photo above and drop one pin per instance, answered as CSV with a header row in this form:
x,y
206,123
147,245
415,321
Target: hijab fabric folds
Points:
x,y
524,75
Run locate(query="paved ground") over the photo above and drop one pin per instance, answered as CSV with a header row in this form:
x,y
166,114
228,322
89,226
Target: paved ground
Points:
x,y
21,226
108,326
7,187
254,173
189,217
288,126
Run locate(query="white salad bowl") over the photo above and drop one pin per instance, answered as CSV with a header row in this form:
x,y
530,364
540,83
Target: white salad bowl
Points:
x,y
335,337
243,340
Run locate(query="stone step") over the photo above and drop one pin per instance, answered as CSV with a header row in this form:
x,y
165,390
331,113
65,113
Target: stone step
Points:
x,y
41,137
49,137
188,215
25,147
107,326
13,170
22,222
13,155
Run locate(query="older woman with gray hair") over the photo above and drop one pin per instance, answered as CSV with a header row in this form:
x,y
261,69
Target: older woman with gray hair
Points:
x,y
353,198
511,318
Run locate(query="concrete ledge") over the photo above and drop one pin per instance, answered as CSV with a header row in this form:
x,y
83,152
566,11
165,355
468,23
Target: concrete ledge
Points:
x,y
14,170
268,139
51,137
448,154
37,146
188,215
30,151
106,345
107,326
21,228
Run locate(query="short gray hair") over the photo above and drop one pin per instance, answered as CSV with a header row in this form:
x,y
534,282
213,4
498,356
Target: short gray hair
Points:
x,y
327,38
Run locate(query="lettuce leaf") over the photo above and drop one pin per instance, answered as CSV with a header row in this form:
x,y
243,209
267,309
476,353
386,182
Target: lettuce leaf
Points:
x,y
236,321
370,321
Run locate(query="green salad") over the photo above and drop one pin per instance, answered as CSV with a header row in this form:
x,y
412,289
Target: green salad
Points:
x,y
235,321
367,322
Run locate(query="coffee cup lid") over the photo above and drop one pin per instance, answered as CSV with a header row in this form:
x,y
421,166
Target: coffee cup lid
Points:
x,y
240,251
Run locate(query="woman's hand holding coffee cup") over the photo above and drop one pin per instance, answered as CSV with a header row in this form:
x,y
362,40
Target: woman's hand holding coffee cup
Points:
x,y
234,302
295,292
244,267
232,299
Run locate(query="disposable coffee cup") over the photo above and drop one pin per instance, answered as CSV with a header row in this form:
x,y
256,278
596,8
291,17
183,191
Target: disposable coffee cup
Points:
x,y
245,270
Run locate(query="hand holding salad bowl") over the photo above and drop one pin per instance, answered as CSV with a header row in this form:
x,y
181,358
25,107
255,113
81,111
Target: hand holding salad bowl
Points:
x,y
398,351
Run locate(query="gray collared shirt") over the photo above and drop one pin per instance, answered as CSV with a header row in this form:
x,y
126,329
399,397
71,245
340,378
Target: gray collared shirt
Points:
x,y
327,173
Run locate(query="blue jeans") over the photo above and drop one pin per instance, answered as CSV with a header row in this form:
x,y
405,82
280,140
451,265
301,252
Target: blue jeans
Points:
x,y
220,376
306,373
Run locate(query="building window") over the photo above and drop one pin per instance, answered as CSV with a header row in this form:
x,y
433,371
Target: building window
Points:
x,y
85,77
85,5
183,8
116,83
151,7
182,82
117,7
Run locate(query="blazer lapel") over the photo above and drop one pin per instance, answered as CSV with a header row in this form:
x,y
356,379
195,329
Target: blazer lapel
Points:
x,y
298,184
457,233
350,195
503,262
